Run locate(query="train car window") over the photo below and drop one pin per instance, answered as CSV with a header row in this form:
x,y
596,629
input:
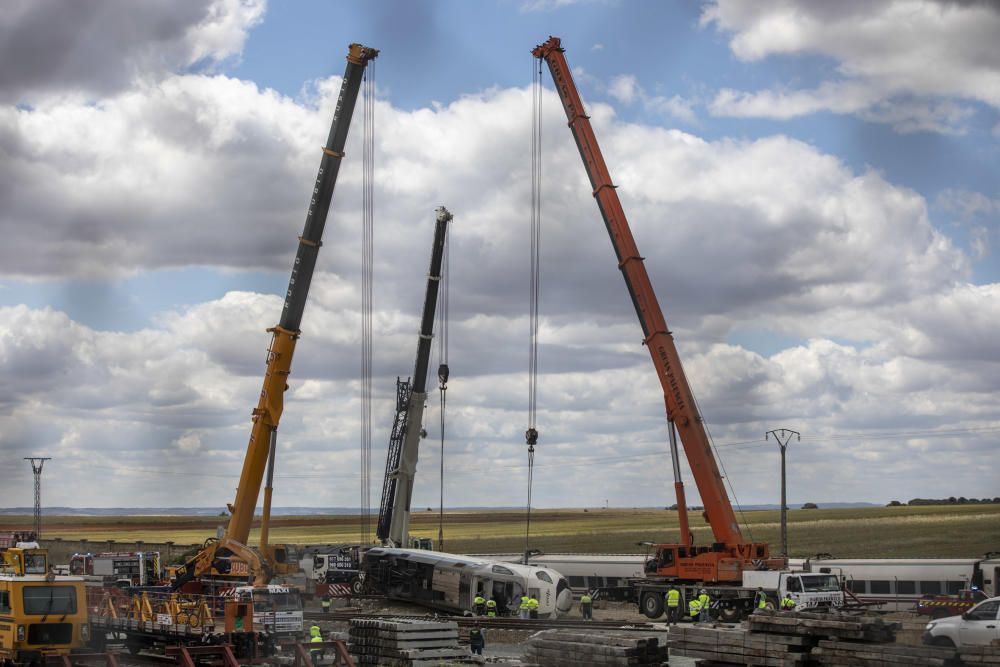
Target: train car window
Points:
x,y
576,582
930,587
906,587
5,602
856,585
500,569
544,576
879,587
41,600
955,586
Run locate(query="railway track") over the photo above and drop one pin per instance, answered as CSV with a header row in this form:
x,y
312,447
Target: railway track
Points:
x,y
500,623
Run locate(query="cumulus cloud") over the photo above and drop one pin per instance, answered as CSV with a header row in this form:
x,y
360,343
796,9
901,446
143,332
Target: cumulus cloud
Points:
x,y
191,169
915,64
54,49
626,89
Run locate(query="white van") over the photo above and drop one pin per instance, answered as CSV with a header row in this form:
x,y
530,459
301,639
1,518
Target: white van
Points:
x,y
977,627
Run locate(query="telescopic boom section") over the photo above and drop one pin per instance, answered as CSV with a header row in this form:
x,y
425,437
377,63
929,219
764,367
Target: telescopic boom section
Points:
x,y
279,358
676,391
401,462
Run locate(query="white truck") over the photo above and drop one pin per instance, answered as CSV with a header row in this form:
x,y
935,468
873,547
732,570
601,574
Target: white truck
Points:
x,y
980,626
731,603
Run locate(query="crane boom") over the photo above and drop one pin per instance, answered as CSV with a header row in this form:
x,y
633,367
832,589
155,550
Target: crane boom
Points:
x,y
680,404
267,414
401,462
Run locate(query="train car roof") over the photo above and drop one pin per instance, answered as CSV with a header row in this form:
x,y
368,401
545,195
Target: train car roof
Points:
x,y
457,561
429,557
896,561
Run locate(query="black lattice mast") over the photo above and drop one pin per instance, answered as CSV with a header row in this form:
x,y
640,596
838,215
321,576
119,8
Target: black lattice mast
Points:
x,y
36,467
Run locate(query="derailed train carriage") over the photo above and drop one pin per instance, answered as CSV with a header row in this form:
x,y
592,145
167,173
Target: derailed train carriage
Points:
x,y
449,582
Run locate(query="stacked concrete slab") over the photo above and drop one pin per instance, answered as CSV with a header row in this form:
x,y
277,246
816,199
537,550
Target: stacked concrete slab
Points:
x,y
834,626
568,648
740,647
407,643
776,639
973,656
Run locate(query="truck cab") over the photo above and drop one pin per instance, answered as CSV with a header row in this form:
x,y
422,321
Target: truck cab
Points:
x,y
977,627
809,590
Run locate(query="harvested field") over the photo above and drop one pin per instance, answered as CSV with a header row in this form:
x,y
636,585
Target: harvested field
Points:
x,y
924,531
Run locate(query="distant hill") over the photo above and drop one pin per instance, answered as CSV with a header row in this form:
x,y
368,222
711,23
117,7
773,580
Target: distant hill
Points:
x,y
305,511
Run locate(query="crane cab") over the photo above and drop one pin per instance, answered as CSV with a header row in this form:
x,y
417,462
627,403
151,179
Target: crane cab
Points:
x,y
716,563
25,558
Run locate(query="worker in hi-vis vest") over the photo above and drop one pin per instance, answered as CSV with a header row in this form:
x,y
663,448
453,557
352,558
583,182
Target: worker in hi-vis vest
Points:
x,y
673,605
694,609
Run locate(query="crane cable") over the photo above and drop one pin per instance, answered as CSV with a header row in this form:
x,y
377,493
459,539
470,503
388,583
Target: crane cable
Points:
x,y
443,376
531,434
367,306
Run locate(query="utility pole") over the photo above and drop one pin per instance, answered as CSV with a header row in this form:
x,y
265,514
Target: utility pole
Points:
x,y
783,436
36,467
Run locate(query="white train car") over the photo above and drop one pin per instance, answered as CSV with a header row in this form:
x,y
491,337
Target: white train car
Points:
x,y
449,582
607,573
896,584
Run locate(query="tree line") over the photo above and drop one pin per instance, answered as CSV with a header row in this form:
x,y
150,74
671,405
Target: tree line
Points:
x,y
952,500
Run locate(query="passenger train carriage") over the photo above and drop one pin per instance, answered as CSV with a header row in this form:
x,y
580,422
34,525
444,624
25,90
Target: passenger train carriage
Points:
x,y
898,584
450,582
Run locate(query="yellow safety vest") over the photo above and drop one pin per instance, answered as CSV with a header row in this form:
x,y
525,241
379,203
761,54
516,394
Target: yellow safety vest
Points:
x,y
694,607
586,599
673,598
532,603
524,602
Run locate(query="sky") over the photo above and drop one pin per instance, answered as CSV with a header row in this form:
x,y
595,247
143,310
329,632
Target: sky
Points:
x,y
813,186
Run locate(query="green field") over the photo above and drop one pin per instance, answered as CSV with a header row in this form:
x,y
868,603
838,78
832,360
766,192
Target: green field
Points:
x,y
938,531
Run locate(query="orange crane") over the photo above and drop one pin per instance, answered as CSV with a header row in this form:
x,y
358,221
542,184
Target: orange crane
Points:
x,y
228,558
725,559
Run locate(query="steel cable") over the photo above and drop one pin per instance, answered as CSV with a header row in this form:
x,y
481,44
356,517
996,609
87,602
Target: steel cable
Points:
x,y
367,305
443,371
531,435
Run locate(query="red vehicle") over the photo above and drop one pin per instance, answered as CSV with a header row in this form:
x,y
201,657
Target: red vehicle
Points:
x,y
940,606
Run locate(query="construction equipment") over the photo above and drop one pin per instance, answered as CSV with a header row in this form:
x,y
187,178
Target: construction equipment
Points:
x,y
119,568
43,614
724,561
228,558
404,443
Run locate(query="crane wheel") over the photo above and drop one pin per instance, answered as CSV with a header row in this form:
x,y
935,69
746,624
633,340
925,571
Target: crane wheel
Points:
x,y
182,618
357,586
652,605
729,614
194,620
